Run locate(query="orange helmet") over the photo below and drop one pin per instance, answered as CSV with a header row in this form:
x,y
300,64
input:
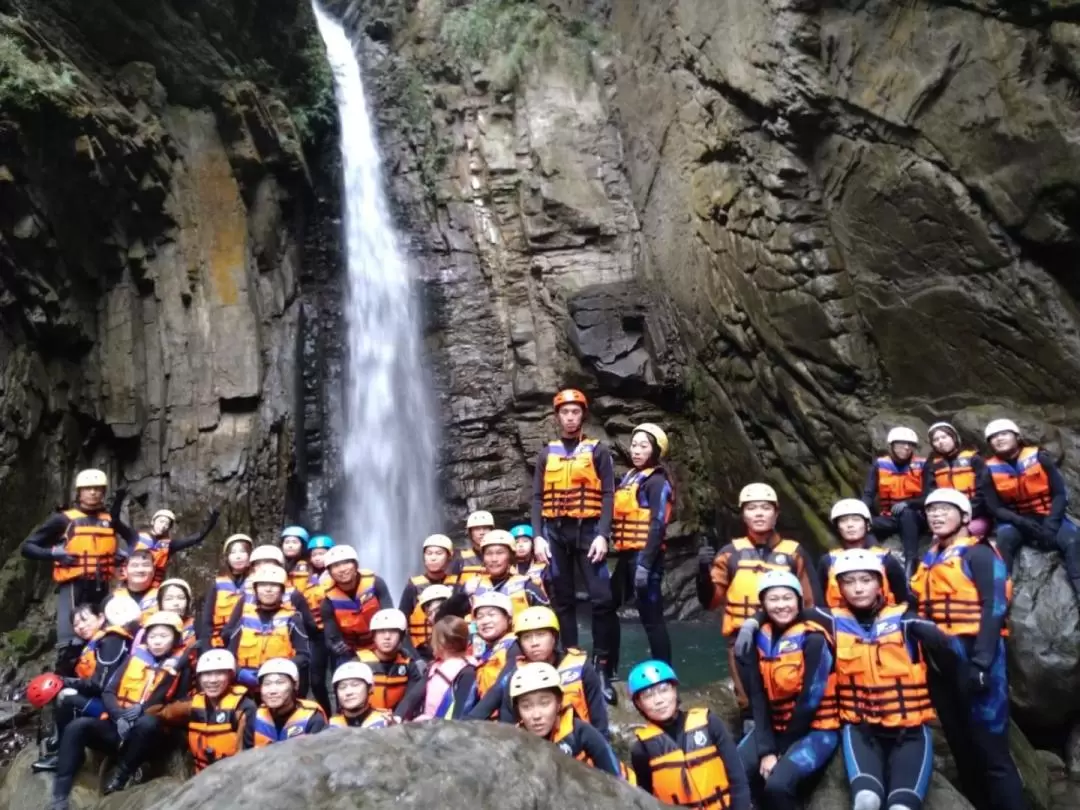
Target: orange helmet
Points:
x,y
570,396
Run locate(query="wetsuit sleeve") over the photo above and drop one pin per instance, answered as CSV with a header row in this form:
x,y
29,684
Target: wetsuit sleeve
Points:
x,y
317,723
658,494
605,470
161,692
808,577
39,545
331,631
535,595
870,488
713,580
407,603
108,697
302,608
301,651
932,637
464,692
204,619
414,693
898,582
594,699
538,492
639,764
382,593
596,748
740,785
978,501
1059,494
247,735
754,684
989,575
818,614
110,655
191,540
123,531
993,502
929,481
817,666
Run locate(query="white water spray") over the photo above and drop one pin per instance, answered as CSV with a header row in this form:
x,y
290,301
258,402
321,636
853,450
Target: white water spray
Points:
x,y
389,442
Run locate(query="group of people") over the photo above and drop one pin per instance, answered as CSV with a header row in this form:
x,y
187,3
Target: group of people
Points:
x,y
294,637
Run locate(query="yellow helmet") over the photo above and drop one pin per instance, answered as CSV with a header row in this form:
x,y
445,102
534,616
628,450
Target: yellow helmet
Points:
x,y
757,492
269,575
439,541
479,518
497,537
536,618
91,478
237,538
534,677
657,434
165,618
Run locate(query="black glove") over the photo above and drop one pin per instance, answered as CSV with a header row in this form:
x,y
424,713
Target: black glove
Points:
x,y
212,517
744,641
132,714
977,680
119,496
641,578
341,649
123,728
706,554
72,683
1048,533
898,507
63,558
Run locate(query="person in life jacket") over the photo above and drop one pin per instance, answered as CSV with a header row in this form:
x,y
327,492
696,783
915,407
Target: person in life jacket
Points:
x,y
174,595
895,484
353,682
107,638
525,560
682,757
139,582
494,643
468,562
438,550
282,713
850,518
963,587
573,503
399,685
266,628
497,550
130,728
644,501
294,540
536,696
450,690
305,580
792,688
881,686
225,593
82,545
1027,496
317,547
953,466
270,556
354,597
728,579
162,545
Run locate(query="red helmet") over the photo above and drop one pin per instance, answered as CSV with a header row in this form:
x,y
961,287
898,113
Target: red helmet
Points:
x,y
570,396
43,689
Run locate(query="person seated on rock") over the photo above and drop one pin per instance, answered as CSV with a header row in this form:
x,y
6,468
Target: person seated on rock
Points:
x,y
1027,496
227,590
850,518
144,682
82,545
685,758
351,600
437,551
267,627
526,561
450,691
162,545
536,697
294,539
495,642
107,638
305,582
963,587
353,682
895,483
728,579
174,595
282,713
399,685
644,501
953,466
881,686
469,561
497,551
792,688
139,582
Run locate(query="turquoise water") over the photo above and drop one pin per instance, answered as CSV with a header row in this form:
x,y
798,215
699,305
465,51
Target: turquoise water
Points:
x,y
697,647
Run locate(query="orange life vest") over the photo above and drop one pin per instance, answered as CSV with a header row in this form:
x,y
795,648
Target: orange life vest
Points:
x,y
571,676
631,517
878,679
572,489
1025,487
226,594
266,731
783,669
391,679
745,565
353,615
693,775
895,484
262,640
834,599
470,565
313,592
87,663
955,473
419,626
159,550
516,586
142,675
491,663
214,733
947,593
91,540
375,718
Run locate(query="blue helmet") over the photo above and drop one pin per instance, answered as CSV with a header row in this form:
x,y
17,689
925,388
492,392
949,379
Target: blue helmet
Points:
x,y
522,530
295,531
320,541
649,673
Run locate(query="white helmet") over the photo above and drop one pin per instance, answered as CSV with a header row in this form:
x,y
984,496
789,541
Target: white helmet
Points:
x,y
338,554
479,518
267,552
951,497
498,537
903,434
388,619
493,599
121,610
216,661
857,559
778,579
757,492
279,666
91,478
434,592
1000,426
534,677
166,513
849,506
439,541
353,670
943,426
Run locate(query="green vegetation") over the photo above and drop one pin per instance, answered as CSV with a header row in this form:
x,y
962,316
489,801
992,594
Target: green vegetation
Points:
x,y
403,84
26,82
313,107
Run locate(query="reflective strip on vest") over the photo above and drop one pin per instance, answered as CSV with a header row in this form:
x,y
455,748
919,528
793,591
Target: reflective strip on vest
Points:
x,y
213,735
632,517
956,473
783,670
391,679
897,484
693,775
91,540
1025,487
354,615
571,487
745,565
142,675
261,640
947,593
267,733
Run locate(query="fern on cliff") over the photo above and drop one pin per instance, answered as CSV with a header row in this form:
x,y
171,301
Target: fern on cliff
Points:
x,y
24,81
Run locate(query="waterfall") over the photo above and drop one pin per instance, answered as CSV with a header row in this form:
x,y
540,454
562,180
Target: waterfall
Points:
x,y
389,441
